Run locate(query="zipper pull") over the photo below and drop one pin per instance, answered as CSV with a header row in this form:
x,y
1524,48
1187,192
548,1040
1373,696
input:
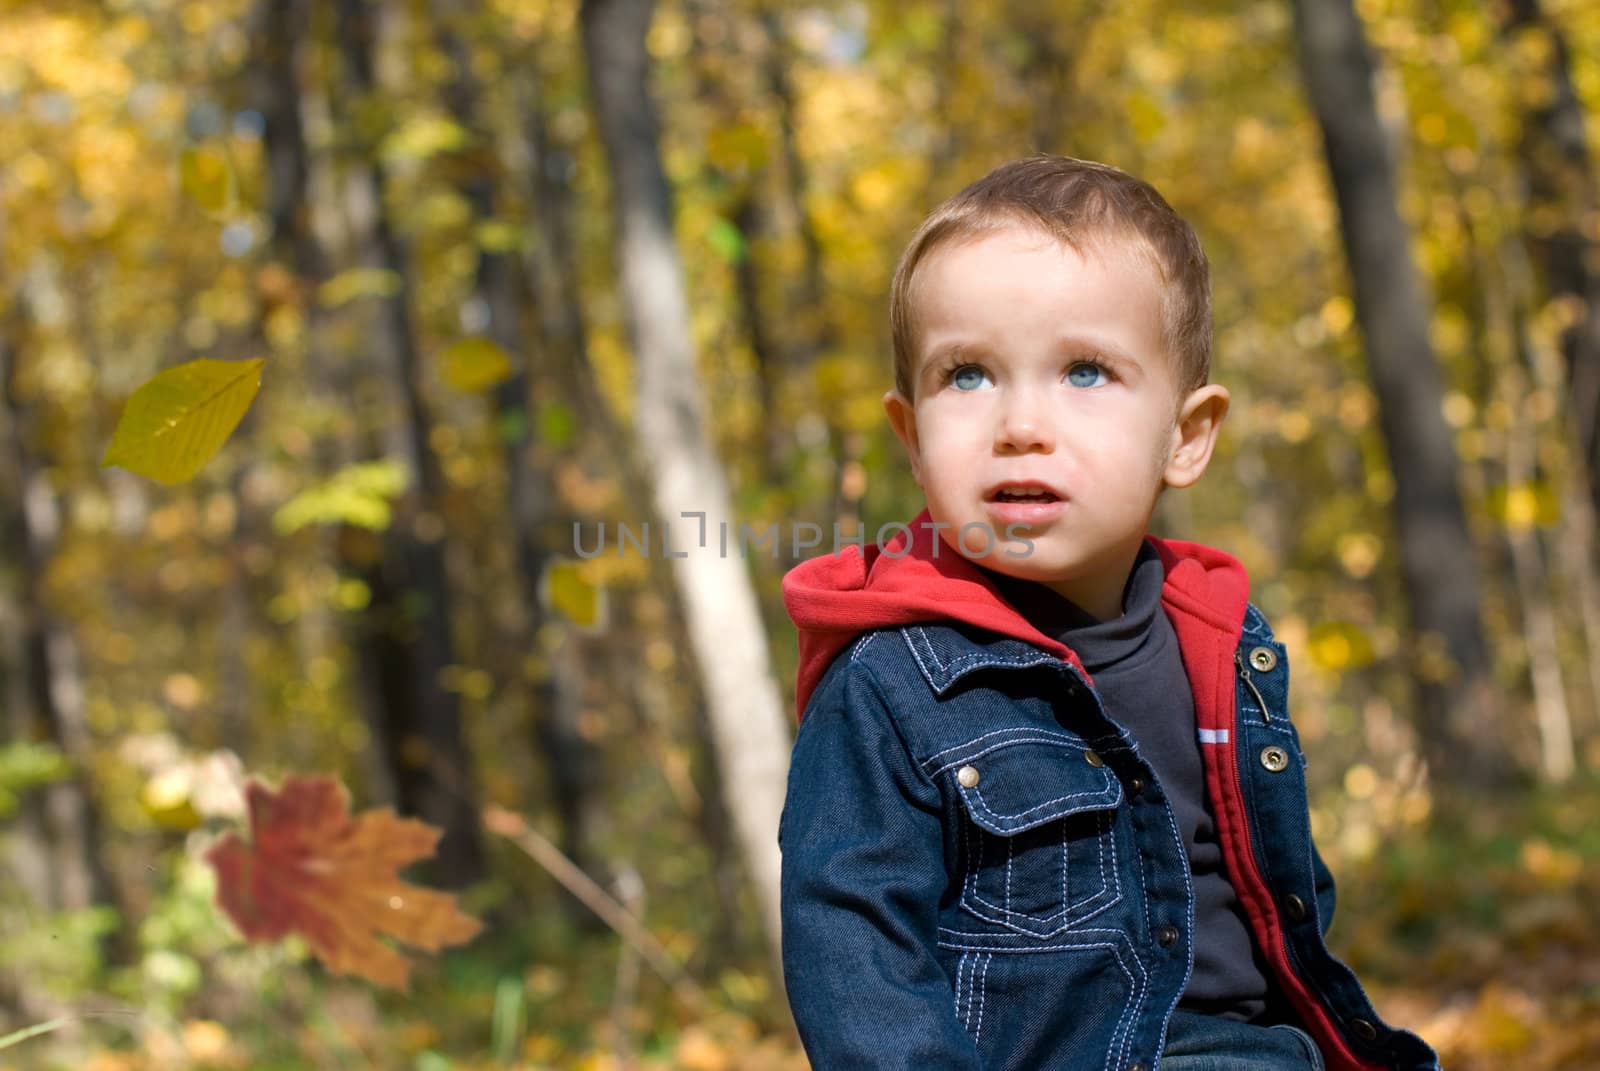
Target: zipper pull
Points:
x,y
1238,660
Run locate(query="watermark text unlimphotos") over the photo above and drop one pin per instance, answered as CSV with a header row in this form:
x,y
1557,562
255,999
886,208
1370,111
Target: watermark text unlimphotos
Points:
x,y
975,539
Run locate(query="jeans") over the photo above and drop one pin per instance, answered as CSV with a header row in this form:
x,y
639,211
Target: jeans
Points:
x,y
1197,1042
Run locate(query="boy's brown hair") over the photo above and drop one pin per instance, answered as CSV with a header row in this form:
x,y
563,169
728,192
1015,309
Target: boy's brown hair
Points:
x,y
1087,206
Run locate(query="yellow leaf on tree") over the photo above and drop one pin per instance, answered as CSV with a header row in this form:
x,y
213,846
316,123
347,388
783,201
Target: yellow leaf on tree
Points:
x,y
1340,645
565,590
474,364
1525,506
358,282
423,136
176,421
206,178
357,494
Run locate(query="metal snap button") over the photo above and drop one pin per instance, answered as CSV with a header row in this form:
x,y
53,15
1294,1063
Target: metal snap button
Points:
x,y
1167,936
1263,658
1274,758
1136,1066
1136,785
968,776
1093,758
1295,906
1363,1030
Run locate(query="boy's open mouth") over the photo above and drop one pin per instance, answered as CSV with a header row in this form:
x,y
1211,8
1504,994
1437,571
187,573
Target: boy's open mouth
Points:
x,y
1023,493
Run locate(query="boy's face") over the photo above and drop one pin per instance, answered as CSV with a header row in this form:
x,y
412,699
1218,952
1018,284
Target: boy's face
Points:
x,y
1045,400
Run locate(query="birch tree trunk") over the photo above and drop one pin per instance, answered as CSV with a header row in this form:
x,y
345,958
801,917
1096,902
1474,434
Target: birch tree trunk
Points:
x,y
1505,300
1458,721
689,485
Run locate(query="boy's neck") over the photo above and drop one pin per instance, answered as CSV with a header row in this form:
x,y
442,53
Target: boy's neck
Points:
x,y
1086,609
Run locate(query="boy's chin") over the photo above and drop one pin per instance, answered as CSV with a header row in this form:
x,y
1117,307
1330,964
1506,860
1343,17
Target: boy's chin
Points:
x,y
988,547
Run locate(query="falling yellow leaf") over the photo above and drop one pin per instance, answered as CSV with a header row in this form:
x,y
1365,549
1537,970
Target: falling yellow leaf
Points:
x,y
175,422
474,364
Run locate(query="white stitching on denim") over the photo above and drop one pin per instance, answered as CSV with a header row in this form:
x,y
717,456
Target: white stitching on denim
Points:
x,y
1011,857
988,659
1077,912
948,671
1188,888
1137,985
1254,617
1007,910
1066,869
861,644
1109,840
1065,738
916,655
1066,944
1125,1025
1032,658
983,982
961,966
1040,806
1037,739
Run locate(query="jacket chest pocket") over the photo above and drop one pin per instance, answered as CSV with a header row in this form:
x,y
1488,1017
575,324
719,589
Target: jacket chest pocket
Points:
x,y
1038,833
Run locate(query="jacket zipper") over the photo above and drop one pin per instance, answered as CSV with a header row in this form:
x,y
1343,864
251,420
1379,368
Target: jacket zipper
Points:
x,y
1238,660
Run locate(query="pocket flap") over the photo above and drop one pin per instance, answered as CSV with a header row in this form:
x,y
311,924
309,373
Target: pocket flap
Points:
x,y
1026,783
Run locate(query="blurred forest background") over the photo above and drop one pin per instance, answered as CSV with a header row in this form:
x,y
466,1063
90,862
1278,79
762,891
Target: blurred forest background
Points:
x,y
521,268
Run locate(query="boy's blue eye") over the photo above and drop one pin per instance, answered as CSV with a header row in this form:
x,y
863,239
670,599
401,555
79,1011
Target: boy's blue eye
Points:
x,y
1085,374
968,377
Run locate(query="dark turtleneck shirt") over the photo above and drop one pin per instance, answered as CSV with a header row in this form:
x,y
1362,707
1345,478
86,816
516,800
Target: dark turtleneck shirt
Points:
x,y
1138,670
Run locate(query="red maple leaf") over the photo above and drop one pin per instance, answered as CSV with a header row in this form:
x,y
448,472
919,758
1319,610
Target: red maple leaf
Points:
x,y
313,869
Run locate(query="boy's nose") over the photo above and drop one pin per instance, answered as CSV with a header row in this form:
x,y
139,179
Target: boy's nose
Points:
x,y
1023,426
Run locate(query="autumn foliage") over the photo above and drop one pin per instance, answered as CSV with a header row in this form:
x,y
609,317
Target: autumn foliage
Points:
x,y
315,372
312,868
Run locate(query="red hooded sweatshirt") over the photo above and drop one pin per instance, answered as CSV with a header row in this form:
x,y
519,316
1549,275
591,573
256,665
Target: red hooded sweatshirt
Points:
x,y
834,598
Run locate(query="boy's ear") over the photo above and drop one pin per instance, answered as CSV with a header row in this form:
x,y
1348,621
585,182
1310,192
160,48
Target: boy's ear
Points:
x,y
903,419
1194,433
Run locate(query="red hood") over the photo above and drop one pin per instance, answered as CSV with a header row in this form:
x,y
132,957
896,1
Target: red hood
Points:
x,y
834,598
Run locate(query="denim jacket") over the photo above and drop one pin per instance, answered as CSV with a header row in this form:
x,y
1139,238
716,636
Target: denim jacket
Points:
x,y
981,871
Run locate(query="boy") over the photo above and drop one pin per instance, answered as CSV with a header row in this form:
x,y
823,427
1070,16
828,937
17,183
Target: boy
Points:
x,y
1046,809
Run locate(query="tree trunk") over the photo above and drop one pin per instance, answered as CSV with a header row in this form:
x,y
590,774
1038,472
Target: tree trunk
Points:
x,y
571,767
689,484
1563,212
407,637
1562,207
1458,720
60,828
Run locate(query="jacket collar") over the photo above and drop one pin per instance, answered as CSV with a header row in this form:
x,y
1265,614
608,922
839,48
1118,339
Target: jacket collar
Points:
x,y
1204,595
945,653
